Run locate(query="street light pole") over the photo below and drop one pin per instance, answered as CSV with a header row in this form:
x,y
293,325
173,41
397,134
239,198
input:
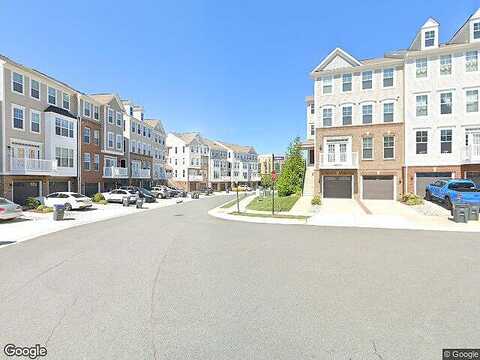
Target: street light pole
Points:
x,y
273,185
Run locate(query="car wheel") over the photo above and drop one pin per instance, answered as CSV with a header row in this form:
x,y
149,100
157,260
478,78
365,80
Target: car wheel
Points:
x,y
428,196
448,203
68,207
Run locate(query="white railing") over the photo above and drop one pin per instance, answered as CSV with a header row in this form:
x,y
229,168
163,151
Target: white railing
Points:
x,y
195,177
115,172
140,173
471,153
32,166
339,160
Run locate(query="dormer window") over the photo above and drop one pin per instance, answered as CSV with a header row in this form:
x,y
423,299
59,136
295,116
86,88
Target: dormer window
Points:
x,y
476,30
429,38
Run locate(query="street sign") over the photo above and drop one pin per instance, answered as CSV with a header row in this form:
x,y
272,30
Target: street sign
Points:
x,y
274,176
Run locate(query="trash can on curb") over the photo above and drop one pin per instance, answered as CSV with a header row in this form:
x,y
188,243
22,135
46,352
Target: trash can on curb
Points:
x,y
474,212
139,203
126,201
58,212
461,213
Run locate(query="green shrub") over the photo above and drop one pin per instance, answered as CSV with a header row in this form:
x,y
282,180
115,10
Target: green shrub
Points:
x,y
32,203
103,202
98,197
41,207
411,199
290,180
316,200
47,209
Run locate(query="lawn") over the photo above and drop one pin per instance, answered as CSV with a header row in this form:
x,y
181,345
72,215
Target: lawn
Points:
x,y
233,202
283,203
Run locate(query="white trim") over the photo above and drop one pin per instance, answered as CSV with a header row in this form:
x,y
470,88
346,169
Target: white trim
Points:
x,y
48,95
39,90
69,101
108,140
383,146
23,83
32,111
394,78
12,107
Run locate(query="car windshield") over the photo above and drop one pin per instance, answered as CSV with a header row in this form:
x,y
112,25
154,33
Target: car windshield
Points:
x,y
77,195
462,185
145,191
4,201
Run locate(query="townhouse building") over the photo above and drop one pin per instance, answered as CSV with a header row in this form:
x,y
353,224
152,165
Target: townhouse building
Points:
x,y
115,159
188,156
159,175
219,167
442,123
243,164
90,176
269,162
355,128
38,133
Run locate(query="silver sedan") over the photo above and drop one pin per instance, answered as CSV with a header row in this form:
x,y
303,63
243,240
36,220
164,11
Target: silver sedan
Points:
x,y
9,210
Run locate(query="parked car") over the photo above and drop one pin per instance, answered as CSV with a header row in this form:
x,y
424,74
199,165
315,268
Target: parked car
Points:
x,y
176,192
70,200
453,191
147,196
161,192
207,191
117,195
241,188
9,210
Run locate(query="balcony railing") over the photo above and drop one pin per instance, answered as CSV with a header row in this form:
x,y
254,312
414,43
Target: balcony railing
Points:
x,y
140,173
115,172
471,153
26,166
195,177
339,160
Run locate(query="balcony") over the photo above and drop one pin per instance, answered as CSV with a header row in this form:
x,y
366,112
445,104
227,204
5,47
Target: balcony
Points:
x,y
115,172
140,173
471,153
339,160
26,166
195,177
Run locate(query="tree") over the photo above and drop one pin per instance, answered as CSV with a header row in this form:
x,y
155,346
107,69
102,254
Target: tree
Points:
x,y
290,180
266,180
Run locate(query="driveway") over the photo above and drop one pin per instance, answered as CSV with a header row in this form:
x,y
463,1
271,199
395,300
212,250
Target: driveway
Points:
x,y
175,283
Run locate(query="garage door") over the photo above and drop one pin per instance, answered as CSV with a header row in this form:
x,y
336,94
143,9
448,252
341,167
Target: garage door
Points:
x,y
424,179
378,187
23,190
57,186
337,187
474,176
90,189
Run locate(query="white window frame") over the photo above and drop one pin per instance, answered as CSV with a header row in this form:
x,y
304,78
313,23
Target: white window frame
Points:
x,y
15,106
451,140
63,101
117,142
39,121
425,39
371,79
472,33
39,89
416,105
362,105
89,135
110,133
392,103
446,66
426,142
87,106
23,83
96,112
351,115
96,139
472,64
363,148
118,116
421,68
467,103
112,112
48,95
393,147
351,82
451,103
96,161
133,146
393,78
331,116
89,161
330,80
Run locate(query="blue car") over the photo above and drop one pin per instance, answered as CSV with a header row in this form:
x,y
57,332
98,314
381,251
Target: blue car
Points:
x,y
453,191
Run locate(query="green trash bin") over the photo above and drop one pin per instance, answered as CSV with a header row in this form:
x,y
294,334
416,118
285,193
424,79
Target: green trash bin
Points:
x,y
461,213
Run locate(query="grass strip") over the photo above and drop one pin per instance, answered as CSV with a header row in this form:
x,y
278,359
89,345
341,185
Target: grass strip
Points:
x,y
276,216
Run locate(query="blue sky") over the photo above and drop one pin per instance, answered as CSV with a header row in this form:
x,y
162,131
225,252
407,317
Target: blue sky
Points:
x,y
234,70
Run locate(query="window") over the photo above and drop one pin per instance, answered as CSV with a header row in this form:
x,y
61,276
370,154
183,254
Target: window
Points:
x,y
18,117
96,113
35,121
367,114
445,64
312,129
312,109
119,119
87,109
429,38
388,77
96,162
327,85
367,80
367,148
471,61
388,147
476,30
64,157
110,140
66,101
110,116
347,82
421,138
119,142
347,115
327,116
388,112
63,127
421,68
446,141
35,89
422,105
86,161
134,145
134,129
446,103
52,96
86,135
472,100
96,137
17,83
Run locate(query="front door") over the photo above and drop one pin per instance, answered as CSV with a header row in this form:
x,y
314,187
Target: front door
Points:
x,y
311,157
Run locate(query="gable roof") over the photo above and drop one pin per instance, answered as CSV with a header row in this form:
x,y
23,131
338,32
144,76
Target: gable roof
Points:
x,y
337,53
105,99
462,35
212,144
238,148
188,137
155,123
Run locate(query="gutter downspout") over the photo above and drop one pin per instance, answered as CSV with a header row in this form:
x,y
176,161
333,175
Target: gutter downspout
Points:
x,y
79,146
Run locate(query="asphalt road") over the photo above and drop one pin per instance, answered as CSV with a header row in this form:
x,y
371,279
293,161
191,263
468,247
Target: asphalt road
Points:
x,y
174,283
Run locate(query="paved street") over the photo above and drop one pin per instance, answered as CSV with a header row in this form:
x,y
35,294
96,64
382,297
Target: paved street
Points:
x,y
174,283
